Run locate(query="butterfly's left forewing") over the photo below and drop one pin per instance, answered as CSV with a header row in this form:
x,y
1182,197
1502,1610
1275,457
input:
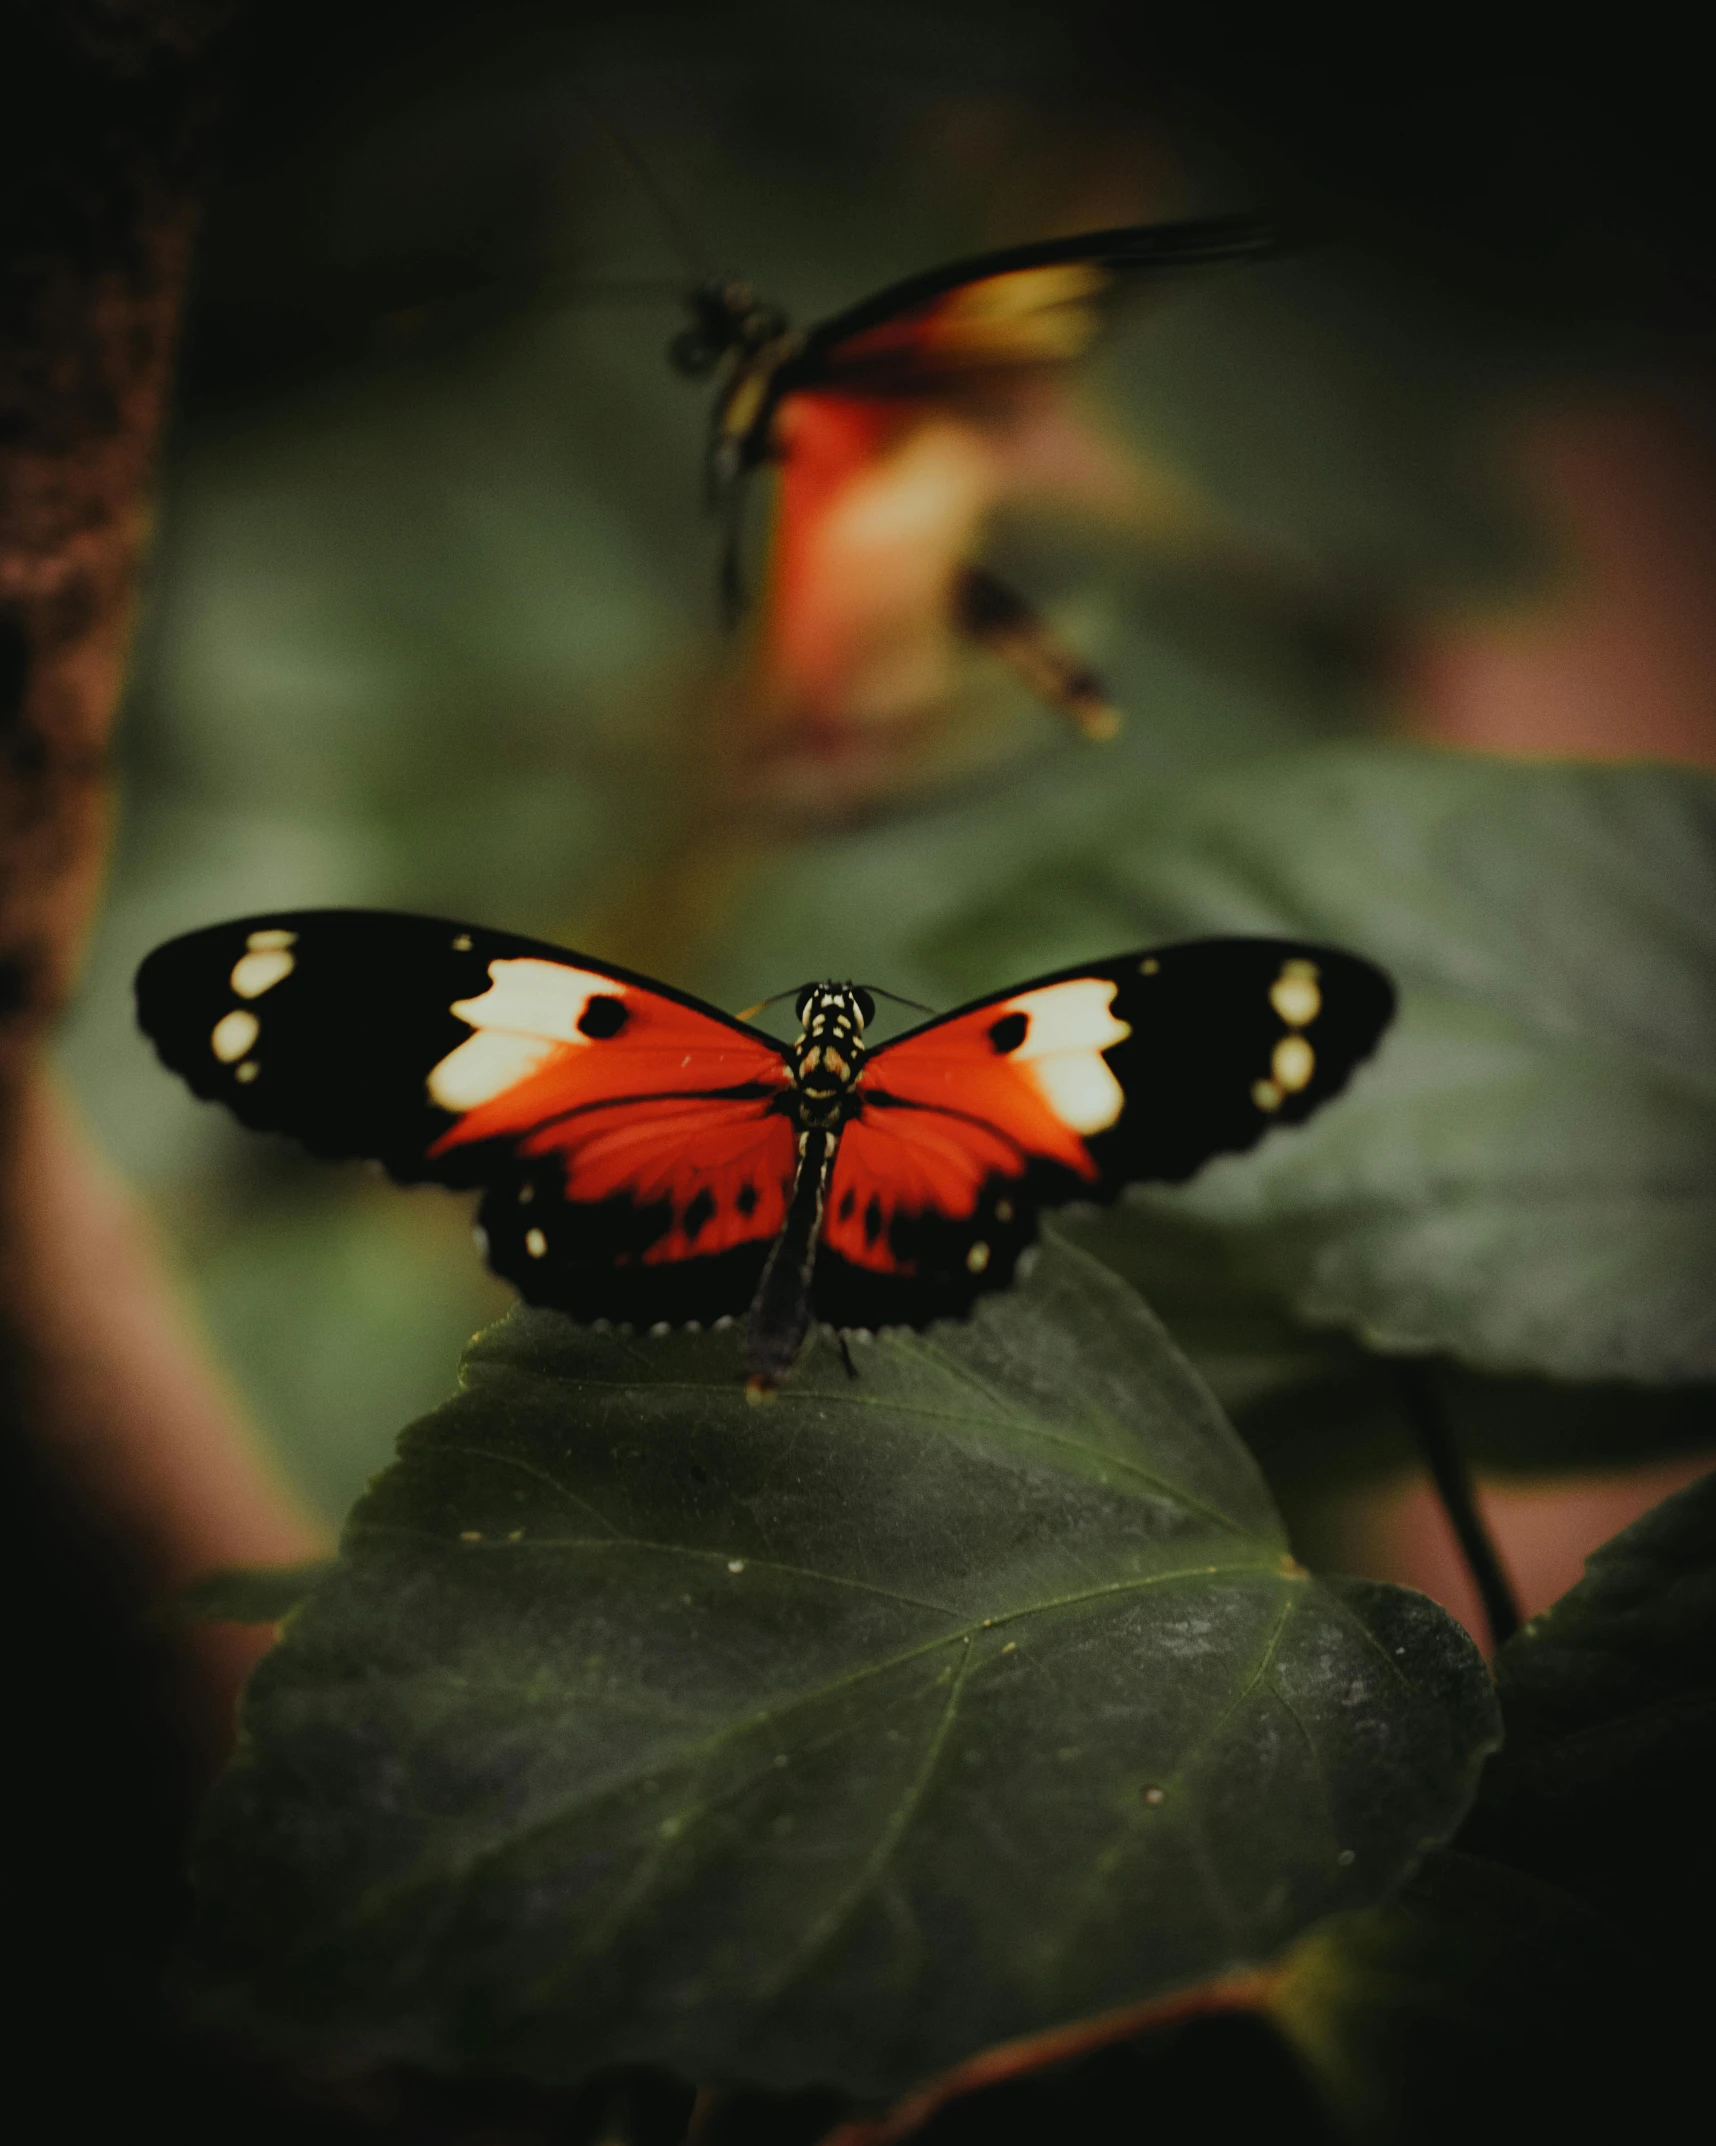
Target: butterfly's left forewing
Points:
x,y
636,1164
1072,1087
1025,305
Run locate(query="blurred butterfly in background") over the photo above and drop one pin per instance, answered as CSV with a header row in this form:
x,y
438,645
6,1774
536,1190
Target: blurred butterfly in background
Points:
x,y
648,1159
874,420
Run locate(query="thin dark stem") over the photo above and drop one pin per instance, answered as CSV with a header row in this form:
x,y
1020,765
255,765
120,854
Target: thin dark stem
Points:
x,y
1448,1471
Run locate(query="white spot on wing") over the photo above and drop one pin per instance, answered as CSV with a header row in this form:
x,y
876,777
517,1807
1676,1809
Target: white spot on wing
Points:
x,y
1294,993
1069,1026
247,1072
233,1035
1266,1095
977,1258
261,970
1293,1063
530,1008
535,1243
264,942
537,998
485,1065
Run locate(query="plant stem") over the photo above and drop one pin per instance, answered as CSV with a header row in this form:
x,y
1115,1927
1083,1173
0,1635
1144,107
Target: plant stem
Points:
x,y
1448,1471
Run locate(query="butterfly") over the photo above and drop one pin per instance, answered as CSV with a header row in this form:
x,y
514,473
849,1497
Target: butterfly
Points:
x,y
648,1159
828,403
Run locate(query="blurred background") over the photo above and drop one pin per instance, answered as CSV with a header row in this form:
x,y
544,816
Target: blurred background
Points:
x,y
431,619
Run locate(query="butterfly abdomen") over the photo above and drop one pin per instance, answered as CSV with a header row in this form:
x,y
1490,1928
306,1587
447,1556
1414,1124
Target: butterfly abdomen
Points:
x,y
780,1312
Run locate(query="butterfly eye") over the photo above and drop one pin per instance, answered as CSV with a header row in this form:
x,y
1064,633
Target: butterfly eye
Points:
x,y
866,1005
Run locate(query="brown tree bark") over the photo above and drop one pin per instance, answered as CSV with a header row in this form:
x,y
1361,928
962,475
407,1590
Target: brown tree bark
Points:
x,y
103,147
107,120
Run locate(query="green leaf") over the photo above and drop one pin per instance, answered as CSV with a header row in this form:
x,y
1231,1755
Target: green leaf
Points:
x,y
1525,1178
251,1594
1610,1704
1545,1955
823,1742
1319,1410
1469,2008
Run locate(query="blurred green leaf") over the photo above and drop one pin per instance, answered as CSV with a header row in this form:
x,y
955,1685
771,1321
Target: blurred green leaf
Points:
x,y
820,1742
388,1284
1546,1955
1526,1176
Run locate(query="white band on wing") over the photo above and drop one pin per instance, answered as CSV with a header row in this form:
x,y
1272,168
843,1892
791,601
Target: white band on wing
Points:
x,y
531,1009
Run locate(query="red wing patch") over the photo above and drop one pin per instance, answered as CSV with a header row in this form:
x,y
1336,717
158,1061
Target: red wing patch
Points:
x,y
720,1170
551,1042
894,1164
879,504
1012,1086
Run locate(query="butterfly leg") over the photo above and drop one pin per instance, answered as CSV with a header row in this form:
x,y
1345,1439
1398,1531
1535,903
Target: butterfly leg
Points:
x,y
731,507
780,1310
990,612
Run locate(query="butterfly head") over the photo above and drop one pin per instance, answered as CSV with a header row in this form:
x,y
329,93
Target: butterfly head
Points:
x,y
724,317
827,1055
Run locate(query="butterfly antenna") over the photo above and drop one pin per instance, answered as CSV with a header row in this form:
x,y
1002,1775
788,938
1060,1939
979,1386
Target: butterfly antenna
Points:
x,y
877,991
763,1004
683,238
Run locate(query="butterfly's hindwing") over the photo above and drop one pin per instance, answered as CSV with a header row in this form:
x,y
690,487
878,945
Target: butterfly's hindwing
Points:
x,y
632,1142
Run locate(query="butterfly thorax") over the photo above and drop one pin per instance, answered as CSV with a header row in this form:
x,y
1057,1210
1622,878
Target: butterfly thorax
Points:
x,y
732,327
826,1058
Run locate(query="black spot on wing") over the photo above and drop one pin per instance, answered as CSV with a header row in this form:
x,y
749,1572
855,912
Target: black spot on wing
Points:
x,y
603,1017
1009,1032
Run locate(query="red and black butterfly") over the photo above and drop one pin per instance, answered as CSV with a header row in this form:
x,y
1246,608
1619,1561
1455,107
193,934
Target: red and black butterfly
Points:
x,y
823,403
646,1158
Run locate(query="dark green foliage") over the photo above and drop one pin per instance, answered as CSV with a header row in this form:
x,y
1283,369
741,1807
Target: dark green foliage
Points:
x,y
1610,1703
1318,1409
823,1742
1548,1970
